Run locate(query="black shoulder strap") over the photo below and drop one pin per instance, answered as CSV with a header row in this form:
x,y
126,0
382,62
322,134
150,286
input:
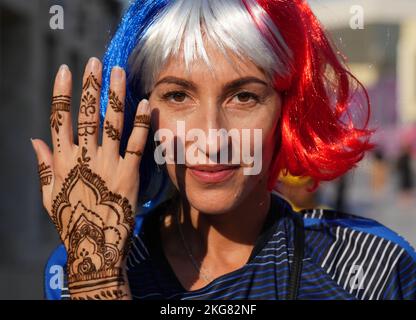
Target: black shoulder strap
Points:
x,y
296,268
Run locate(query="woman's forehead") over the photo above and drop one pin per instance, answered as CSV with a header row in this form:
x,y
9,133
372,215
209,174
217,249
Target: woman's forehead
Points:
x,y
225,67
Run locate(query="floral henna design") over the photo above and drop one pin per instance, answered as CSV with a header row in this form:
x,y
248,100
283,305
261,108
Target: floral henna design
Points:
x,y
115,102
92,232
59,103
112,132
88,103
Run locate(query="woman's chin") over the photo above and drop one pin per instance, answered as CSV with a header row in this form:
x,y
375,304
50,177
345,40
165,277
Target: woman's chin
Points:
x,y
213,201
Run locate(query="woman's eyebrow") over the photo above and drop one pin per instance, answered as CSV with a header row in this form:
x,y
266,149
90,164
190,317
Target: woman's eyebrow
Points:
x,y
175,80
237,83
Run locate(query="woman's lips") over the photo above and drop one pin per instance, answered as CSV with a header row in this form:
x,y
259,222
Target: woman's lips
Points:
x,y
212,173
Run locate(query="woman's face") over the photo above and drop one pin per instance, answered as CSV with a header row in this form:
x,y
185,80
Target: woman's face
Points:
x,y
228,98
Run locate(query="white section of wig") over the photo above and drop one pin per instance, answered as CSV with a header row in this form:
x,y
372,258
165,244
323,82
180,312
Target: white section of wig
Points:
x,y
227,23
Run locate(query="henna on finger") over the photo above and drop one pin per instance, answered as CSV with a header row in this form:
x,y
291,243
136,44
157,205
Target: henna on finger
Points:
x,y
88,104
142,120
45,174
115,102
86,128
59,103
91,82
88,107
88,101
137,153
111,131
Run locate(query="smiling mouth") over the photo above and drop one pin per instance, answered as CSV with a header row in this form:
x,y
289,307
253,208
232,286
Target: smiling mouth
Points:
x,y
212,173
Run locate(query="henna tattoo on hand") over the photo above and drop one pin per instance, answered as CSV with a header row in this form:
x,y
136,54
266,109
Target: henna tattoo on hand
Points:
x,y
112,132
95,226
88,103
107,295
136,153
59,103
91,82
142,120
86,128
115,102
45,174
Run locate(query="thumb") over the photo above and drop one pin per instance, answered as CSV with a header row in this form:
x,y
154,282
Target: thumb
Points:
x,y
45,171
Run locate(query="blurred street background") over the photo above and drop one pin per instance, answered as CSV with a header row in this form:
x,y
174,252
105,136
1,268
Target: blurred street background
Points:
x,y
377,36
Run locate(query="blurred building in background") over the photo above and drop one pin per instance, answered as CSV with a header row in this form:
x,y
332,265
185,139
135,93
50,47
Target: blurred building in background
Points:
x,y
382,54
30,54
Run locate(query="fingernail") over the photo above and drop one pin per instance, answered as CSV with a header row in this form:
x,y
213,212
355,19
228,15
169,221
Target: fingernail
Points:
x,y
63,70
117,73
94,64
146,106
63,67
33,144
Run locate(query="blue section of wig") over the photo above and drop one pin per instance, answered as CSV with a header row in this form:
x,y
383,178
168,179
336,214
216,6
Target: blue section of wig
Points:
x,y
135,21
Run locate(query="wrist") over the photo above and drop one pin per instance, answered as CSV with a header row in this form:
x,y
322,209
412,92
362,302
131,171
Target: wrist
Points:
x,y
104,284
104,277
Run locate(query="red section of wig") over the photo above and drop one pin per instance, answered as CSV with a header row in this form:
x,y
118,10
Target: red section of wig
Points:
x,y
319,134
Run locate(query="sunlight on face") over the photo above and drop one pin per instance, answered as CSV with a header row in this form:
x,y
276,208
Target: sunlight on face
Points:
x,y
232,97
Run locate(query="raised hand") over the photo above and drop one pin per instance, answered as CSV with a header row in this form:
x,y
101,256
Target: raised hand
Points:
x,y
90,191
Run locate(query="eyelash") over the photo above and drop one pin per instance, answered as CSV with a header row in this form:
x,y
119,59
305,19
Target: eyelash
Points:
x,y
170,94
251,95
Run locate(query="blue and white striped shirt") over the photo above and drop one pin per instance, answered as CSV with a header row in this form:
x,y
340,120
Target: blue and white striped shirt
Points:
x,y
345,257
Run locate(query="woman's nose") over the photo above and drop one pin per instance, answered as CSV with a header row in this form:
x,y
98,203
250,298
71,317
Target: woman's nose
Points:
x,y
215,128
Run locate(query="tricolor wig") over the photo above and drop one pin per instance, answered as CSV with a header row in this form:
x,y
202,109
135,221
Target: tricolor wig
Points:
x,y
325,111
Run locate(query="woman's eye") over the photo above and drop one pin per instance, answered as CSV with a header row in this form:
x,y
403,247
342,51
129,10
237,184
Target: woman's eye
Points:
x,y
175,96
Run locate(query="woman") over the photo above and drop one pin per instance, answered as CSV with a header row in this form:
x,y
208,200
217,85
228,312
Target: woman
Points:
x,y
210,229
